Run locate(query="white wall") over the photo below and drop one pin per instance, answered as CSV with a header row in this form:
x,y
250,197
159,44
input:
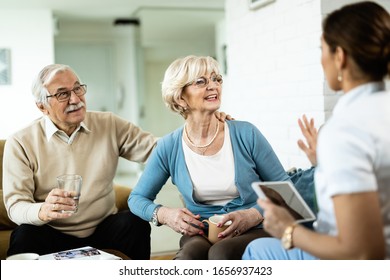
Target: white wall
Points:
x,y
29,36
275,74
274,69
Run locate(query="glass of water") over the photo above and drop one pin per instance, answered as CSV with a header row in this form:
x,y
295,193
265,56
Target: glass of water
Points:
x,y
72,184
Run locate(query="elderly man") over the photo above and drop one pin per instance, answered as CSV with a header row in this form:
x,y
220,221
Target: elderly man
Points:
x,y
69,140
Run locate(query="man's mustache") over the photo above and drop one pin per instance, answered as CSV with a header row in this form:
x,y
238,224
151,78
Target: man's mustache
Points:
x,y
74,107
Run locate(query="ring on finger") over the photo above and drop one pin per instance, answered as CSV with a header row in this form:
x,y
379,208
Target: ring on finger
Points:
x,y
54,207
237,232
182,231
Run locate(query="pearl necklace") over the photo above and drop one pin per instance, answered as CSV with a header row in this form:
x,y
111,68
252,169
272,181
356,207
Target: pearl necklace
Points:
x,y
201,146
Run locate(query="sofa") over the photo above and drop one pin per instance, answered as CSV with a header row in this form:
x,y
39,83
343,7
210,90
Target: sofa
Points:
x,y
6,225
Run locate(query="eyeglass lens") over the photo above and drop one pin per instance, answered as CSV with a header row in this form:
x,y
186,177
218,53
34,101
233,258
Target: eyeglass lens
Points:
x,y
203,81
65,95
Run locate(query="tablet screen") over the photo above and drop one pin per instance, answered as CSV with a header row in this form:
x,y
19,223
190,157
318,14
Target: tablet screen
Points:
x,y
284,193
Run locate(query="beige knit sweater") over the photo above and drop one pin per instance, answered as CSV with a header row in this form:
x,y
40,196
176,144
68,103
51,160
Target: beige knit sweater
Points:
x,y
31,165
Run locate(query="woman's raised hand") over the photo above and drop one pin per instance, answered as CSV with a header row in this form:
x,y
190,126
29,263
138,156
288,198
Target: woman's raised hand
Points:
x,y
310,133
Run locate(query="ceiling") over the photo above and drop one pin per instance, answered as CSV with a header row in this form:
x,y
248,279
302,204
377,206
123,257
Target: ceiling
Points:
x,y
107,9
110,9
164,23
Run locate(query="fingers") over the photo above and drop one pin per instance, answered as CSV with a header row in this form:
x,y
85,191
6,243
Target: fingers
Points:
x,y
307,127
189,213
58,208
54,196
312,127
60,197
230,233
305,121
265,205
310,133
63,208
238,223
52,211
188,223
222,116
301,126
225,219
230,118
55,205
303,146
187,229
191,219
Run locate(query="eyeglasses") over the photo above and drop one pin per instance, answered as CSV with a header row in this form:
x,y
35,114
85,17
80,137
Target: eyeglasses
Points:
x,y
63,96
203,81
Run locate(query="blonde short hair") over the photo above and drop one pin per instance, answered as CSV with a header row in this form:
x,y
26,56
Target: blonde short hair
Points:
x,y
180,73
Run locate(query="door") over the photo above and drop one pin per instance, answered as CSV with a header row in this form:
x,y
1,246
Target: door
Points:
x,y
93,63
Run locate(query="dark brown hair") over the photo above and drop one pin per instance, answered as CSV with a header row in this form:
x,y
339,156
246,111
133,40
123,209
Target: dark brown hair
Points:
x,y
362,30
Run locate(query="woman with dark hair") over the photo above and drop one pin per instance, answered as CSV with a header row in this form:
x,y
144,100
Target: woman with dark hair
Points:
x,y
352,177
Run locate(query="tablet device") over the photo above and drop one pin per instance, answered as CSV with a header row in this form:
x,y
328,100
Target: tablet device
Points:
x,y
284,193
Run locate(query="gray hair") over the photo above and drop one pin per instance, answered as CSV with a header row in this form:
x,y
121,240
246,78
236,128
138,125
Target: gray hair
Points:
x,y
39,88
180,73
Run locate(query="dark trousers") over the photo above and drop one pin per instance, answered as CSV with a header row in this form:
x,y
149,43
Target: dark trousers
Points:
x,y
123,231
199,248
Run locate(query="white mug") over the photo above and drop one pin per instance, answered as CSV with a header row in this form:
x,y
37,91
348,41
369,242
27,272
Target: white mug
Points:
x,y
24,256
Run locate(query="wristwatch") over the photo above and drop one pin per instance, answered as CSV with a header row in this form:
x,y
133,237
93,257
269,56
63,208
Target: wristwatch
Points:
x,y
287,239
154,219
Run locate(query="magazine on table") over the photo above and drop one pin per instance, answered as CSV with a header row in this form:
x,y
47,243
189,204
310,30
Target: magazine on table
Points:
x,y
83,253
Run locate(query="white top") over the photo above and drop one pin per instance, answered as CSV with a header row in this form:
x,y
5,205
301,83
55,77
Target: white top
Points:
x,y
354,153
212,176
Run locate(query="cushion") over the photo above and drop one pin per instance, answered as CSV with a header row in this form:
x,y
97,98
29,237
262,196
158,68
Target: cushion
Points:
x,y
304,183
2,142
121,195
5,222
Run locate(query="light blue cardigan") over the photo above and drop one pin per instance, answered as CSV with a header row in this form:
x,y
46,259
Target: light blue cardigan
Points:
x,y
254,160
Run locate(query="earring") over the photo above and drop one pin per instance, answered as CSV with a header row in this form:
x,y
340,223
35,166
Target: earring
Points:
x,y
340,77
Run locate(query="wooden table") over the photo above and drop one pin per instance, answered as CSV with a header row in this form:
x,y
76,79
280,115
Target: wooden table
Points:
x,y
116,253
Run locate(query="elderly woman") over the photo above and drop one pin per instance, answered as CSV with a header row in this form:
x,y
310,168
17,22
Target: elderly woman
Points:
x,y
212,163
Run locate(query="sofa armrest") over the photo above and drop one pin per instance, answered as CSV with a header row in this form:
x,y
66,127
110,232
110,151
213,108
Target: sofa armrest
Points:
x,y
5,222
121,195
